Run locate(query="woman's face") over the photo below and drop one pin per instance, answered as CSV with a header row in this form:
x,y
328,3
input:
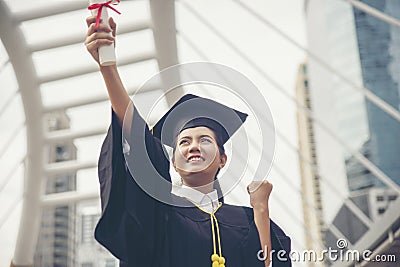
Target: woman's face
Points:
x,y
197,152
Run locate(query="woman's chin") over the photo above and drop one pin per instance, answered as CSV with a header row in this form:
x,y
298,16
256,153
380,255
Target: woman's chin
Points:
x,y
195,167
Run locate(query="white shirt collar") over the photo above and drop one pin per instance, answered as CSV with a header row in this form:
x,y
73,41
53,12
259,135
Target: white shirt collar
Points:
x,y
209,201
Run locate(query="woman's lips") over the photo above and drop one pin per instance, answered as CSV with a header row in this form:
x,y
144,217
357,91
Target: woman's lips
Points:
x,y
195,158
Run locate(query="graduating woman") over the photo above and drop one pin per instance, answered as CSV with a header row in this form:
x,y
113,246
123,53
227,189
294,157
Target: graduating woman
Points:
x,y
197,229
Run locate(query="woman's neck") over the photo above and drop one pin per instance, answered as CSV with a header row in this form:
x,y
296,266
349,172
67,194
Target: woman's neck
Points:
x,y
205,188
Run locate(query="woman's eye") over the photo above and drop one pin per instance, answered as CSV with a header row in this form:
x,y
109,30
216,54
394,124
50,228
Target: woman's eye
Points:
x,y
206,140
182,142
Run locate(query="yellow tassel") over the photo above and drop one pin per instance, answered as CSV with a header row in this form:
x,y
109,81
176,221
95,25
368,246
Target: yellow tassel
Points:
x,y
217,260
214,257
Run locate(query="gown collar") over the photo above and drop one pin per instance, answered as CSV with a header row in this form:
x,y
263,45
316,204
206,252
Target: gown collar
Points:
x,y
209,201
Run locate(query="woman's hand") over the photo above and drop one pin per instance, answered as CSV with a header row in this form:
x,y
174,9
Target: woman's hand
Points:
x,y
100,36
259,197
259,194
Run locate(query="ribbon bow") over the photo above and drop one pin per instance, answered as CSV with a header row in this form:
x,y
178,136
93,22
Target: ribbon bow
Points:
x,y
100,6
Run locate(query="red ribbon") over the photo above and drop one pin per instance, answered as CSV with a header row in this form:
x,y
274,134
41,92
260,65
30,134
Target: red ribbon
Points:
x,y
100,6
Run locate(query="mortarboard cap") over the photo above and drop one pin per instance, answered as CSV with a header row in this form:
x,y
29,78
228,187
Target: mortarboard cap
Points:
x,y
193,111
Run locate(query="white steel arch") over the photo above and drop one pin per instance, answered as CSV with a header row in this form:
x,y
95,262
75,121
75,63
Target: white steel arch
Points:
x,y
25,72
20,54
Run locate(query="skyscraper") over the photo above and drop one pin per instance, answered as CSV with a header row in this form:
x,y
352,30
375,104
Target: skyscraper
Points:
x,y
379,52
57,235
366,51
361,51
310,179
90,253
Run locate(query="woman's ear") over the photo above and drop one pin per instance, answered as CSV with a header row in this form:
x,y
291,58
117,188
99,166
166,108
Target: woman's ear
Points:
x,y
222,160
174,164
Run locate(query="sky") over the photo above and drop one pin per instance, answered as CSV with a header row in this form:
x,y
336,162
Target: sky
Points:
x,y
276,57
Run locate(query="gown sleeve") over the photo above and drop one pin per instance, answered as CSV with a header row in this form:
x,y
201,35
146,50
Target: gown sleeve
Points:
x,y
131,220
251,254
281,243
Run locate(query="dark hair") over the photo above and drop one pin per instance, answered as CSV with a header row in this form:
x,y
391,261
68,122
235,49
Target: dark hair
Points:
x,y
221,149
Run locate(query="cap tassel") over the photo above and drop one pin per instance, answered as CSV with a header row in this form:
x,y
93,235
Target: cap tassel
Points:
x,y
217,259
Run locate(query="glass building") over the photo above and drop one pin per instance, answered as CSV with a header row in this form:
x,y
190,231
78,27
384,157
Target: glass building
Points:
x,y
350,50
365,52
379,52
335,102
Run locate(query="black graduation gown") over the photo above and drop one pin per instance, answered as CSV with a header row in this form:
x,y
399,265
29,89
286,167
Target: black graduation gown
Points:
x,y
141,231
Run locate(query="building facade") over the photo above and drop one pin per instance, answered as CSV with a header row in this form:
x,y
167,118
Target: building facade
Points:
x,y
361,51
310,179
90,252
379,52
57,236
365,52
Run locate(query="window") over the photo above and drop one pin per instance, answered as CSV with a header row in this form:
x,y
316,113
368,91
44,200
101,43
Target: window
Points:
x,y
88,226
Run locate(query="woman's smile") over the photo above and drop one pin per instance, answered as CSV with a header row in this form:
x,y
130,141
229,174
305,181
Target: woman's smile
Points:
x,y
195,158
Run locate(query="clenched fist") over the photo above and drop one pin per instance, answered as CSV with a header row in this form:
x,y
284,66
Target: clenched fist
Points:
x,y
259,194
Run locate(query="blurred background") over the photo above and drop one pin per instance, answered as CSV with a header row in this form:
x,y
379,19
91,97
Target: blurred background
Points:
x,y
328,69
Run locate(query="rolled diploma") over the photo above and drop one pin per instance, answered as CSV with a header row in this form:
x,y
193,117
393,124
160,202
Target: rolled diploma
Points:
x,y
106,52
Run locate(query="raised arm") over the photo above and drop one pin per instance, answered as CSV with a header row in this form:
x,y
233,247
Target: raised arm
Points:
x,y
259,197
116,91
129,214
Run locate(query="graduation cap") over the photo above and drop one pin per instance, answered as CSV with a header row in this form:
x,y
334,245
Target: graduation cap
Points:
x,y
193,111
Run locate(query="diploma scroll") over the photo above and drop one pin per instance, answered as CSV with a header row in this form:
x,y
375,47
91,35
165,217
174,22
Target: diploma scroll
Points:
x,y
106,52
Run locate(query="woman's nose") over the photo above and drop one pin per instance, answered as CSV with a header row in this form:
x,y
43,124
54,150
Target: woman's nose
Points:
x,y
194,146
